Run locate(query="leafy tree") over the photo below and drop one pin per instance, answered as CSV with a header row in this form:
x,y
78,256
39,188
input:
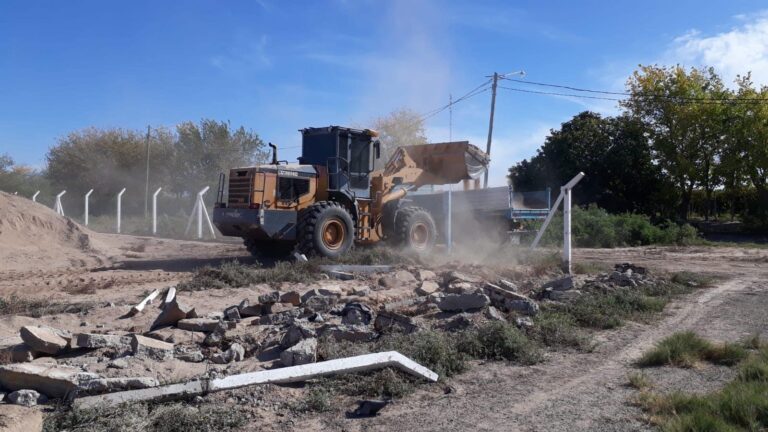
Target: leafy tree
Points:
x,y
684,121
204,150
613,152
399,128
20,179
107,161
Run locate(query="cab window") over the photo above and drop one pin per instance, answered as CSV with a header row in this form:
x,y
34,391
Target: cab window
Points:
x,y
291,188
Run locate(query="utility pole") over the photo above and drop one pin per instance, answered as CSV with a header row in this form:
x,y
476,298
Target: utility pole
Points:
x,y
146,184
490,123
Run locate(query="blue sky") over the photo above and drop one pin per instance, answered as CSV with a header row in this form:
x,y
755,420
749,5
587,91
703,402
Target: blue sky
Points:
x,y
277,66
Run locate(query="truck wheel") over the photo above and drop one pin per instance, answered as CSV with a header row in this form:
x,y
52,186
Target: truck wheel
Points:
x,y
269,249
325,229
415,230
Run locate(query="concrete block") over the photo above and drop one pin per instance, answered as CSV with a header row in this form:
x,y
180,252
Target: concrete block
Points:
x,y
302,353
151,348
198,324
463,302
43,339
427,287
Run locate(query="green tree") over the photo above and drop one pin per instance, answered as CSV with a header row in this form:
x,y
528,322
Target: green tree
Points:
x,y
108,160
401,127
20,179
615,154
684,121
209,148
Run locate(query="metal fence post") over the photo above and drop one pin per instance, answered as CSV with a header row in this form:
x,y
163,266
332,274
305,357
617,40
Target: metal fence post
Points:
x,y
87,197
566,230
34,197
447,210
119,209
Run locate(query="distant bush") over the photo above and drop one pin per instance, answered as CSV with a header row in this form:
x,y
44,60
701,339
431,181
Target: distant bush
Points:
x,y
595,227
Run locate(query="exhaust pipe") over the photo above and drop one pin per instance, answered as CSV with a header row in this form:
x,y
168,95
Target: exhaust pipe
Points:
x,y
274,153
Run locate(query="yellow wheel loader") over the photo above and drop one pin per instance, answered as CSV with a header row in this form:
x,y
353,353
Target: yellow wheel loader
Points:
x,y
333,198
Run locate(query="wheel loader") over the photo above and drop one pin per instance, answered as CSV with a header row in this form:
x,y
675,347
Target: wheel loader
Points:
x,y
333,197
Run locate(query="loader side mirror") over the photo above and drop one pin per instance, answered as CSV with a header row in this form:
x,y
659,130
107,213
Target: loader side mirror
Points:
x,y
377,148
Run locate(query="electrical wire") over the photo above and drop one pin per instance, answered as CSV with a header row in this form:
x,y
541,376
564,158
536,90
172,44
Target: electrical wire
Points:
x,y
474,92
672,98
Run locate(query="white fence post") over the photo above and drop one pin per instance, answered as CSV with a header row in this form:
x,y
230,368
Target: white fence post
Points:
x,y
447,210
87,197
565,196
567,230
34,197
154,210
119,209
57,207
201,213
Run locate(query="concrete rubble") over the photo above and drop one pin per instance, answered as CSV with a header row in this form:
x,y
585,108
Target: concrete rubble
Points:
x,y
143,346
301,353
43,339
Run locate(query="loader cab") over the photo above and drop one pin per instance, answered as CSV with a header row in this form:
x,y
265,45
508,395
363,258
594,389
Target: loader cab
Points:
x,y
347,153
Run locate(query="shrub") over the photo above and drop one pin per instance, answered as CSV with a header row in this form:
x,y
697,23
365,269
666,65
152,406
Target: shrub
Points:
x,y
498,341
639,380
233,274
605,311
686,348
553,328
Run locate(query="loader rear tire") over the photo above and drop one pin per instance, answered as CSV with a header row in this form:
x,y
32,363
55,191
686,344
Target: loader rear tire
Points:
x,y
415,230
325,229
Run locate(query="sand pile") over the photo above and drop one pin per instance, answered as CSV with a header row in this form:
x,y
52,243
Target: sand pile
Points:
x,y
33,234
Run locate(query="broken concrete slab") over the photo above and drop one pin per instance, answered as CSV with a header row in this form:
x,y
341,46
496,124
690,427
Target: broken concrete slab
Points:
x,y
235,353
176,335
198,324
427,287
281,375
232,313
280,318
320,303
303,352
274,308
333,291
43,339
564,296
340,275
453,276
404,276
463,302
27,398
50,380
296,333
18,418
103,385
351,333
425,275
510,301
494,314
355,268
145,347
93,340
172,313
508,285
191,356
393,322
19,353
459,287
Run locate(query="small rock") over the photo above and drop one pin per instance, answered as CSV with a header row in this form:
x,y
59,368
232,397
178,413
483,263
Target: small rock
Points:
x,y
232,313
425,275
119,363
27,398
524,322
316,318
320,303
564,296
43,339
274,308
93,340
235,353
458,322
369,408
303,352
452,276
151,348
356,313
172,313
390,321
191,356
351,333
405,276
19,353
84,324
507,285
463,302
459,287
389,282
280,318
296,333
292,297
562,284
427,287
198,400
494,314
272,297
361,291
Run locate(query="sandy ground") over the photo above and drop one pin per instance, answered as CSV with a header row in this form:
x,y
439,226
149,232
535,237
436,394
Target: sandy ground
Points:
x,y
588,391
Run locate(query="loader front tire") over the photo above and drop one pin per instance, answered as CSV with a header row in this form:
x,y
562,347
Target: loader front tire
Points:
x,y
415,230
325,229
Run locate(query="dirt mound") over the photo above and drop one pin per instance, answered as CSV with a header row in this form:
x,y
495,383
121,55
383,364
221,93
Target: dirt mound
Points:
x,y
31,233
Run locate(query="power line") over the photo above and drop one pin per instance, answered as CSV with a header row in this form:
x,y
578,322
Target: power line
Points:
x,y
474,92
643,95
680,100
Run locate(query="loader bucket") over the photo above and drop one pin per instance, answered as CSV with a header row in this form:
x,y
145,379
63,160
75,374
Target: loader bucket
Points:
x,y
440,163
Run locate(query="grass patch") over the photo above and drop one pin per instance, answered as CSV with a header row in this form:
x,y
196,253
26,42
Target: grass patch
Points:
x,y
555,329
639,381
590,267
174,417
696,280
609,310
741,405
685,349
447,355
233,274
35,308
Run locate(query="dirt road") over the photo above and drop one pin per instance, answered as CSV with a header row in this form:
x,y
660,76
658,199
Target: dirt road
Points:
x,y
588,391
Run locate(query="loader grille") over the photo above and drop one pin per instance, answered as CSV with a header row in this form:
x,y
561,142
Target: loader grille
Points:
x,y
240,188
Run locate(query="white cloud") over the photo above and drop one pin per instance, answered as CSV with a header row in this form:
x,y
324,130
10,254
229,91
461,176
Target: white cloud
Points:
x,y
248,53
742,49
